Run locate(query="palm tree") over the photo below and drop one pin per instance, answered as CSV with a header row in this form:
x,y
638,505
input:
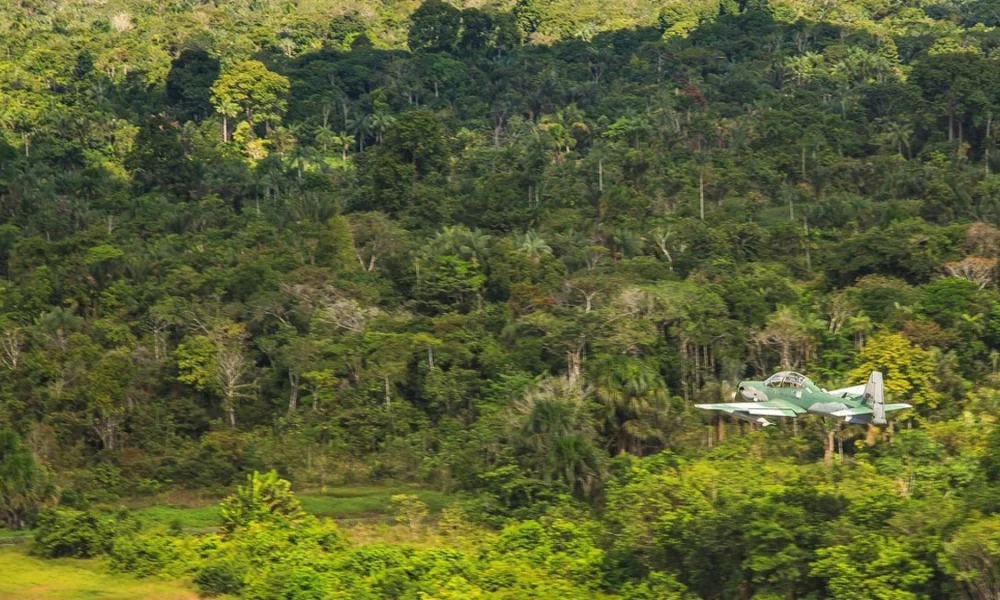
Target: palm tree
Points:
x,y
578,462
380,122
633,399
324,137
898,135
343,141
554,424
228,109
360,125
534,246
458,240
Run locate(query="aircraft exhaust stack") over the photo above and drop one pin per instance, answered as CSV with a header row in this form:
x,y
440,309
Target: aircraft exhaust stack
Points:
x,y
875,397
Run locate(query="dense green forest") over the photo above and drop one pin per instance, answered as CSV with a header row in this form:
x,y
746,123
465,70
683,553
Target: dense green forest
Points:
x,y
500,250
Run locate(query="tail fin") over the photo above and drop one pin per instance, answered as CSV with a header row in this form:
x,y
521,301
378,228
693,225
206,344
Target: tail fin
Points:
x,y
875,397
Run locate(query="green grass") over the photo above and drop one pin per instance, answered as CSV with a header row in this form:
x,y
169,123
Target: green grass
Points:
x,y
357,502
24,577
187,516
337,503
10,533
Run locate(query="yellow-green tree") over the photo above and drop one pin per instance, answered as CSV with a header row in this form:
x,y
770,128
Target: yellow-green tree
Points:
x,y
260,94
908,370
265,497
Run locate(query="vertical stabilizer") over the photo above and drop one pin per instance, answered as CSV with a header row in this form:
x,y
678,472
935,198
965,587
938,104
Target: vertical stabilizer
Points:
x,y
875,397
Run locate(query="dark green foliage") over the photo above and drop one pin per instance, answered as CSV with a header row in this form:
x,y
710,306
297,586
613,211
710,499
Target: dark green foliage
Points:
x,y
62,532
221,577
434,27
447,283
403,175
24,484
189,82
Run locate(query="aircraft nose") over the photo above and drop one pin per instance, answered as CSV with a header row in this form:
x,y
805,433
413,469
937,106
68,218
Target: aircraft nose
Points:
x,y
747,393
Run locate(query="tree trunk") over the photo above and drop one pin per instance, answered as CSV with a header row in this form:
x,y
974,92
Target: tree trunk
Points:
x,y
828,446
871,435
293,392
701,194
805,227
574,359
986,144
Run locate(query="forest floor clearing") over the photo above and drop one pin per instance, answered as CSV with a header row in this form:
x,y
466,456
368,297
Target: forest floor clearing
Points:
x,y
28,578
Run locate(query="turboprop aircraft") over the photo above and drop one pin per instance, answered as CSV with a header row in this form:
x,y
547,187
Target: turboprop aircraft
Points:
x,y
789,394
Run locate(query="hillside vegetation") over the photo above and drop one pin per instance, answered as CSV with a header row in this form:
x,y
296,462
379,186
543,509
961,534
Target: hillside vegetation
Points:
x,y
500,250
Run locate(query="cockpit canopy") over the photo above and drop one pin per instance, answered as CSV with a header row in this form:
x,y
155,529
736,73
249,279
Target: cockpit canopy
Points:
x,y
786,379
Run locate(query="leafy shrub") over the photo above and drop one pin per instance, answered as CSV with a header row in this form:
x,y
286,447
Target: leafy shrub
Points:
x,y
153,552
288,582
221,576
408,510
264,498
76,533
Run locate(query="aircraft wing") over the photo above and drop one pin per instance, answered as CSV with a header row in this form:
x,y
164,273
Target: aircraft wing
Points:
x,y
864,410
771,408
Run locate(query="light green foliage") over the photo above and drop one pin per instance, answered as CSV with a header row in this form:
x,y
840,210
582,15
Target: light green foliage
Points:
x,y
195,361
909,371
871,567
258,93
408,510
264,497
151,552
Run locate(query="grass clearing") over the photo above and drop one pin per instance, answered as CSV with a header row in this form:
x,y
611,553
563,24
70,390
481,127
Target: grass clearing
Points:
x,y
349,502
186,516
24,577
10,533
359,502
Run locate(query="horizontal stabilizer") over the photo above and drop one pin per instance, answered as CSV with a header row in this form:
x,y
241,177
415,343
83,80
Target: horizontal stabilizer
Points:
x,y
849,392
851,412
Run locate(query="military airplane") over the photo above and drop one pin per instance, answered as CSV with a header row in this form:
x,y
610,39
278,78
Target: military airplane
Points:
x,y
789,394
